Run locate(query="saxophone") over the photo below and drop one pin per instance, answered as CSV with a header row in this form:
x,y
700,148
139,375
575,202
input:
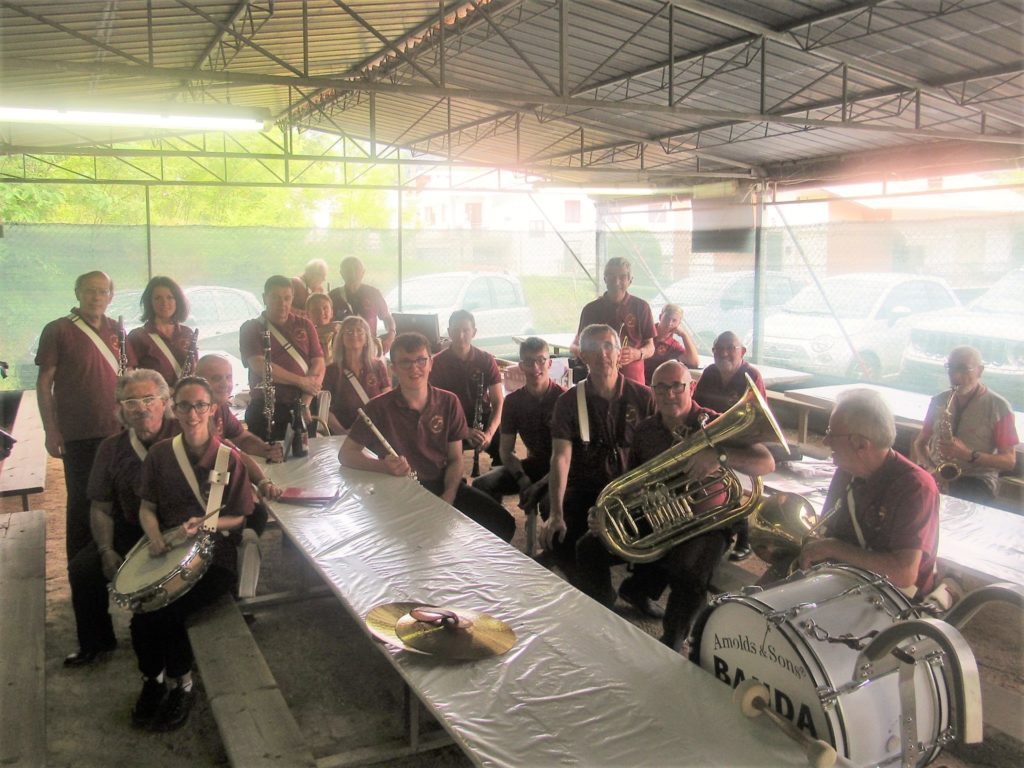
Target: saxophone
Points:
x,y
945,470
192,356
267,386
478,419
122,344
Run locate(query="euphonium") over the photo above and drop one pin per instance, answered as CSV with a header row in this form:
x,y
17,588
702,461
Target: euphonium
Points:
x,y
647,511
780,527
946,470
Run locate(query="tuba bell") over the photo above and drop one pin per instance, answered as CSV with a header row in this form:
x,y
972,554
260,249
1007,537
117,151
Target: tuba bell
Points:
x,y
780,526
647,511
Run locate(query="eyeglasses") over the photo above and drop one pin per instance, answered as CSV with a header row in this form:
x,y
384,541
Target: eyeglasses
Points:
x,y
140,403
101,292
960,368
675,387
200,407
408,363
354,332
534,362
725,349
830,435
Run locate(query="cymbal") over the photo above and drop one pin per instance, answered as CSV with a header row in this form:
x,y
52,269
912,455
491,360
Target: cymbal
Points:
x,y
454,635
381,621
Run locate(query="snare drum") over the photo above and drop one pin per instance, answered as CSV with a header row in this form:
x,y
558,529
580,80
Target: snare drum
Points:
x,y
798,639
145,583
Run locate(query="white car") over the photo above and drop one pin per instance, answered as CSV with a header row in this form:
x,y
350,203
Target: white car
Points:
x,y
858,328
495,299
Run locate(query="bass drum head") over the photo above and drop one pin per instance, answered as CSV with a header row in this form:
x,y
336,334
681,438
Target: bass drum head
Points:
x,y
739,638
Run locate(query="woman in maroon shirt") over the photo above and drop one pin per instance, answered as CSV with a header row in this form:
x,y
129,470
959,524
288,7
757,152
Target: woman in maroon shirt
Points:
x,y
163,343
355,376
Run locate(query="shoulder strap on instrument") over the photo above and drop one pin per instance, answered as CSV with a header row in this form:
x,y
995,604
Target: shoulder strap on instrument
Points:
x,y
288,346
166,352
581,411
79,322
219,477
357,386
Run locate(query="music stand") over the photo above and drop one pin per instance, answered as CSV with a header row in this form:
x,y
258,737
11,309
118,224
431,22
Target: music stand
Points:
x,y
408,322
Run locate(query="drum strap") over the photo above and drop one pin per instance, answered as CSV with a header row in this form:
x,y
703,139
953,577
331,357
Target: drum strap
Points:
x,y
581,411
79,322
354,382
140,450
219,477
288,347
158,340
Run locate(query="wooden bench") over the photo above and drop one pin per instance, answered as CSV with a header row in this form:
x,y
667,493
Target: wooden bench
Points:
x,y
255,724
22,639
24,471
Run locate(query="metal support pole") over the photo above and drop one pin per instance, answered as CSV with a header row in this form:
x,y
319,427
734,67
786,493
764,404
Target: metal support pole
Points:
x,y
400,244
759,191
149,239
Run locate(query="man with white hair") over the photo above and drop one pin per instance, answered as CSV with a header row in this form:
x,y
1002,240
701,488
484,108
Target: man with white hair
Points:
x,y
981,438
312,280
883,509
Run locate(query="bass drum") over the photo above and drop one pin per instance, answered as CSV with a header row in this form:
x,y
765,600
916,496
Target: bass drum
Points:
x,y
801,639
145,583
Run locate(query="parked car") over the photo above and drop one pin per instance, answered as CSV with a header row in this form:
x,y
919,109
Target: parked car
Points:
x,y
217,311
724,301
495,299
860,331
993,323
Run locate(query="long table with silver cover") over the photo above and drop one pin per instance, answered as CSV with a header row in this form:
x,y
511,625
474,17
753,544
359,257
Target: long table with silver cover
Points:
x,y
581,685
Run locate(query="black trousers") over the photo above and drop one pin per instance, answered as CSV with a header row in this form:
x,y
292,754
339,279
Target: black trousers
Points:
x,y
160,639
257,422
90,599
576,506
480,508
78,458
498,482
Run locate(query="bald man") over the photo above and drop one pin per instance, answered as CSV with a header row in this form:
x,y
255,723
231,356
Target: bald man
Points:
x,y
357,298
982,436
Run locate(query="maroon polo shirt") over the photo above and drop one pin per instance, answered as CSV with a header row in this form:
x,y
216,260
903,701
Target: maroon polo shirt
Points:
x,y
224,424
84,382
463,377
163,484
149,355
422,438
530,417
714,393
366,301
612,424
631,318
299,332
652,437
116,472
345,401
665,348
897,508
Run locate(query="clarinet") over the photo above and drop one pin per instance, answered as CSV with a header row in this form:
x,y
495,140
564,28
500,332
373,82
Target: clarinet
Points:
x,y
122,343
269,393
478,419
192,356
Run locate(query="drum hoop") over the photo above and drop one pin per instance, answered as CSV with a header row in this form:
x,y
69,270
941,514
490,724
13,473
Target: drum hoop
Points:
x,y
202,547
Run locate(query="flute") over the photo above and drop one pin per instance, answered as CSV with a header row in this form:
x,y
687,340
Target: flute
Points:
x,y
376,433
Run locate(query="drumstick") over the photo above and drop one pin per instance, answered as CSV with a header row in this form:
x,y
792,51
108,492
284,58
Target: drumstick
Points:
x,y
376,432
170,535
753,697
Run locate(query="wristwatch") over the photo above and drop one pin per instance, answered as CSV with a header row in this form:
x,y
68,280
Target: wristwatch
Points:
x,y
974,456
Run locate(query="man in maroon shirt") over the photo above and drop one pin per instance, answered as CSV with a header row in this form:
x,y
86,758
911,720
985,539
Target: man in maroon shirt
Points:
x,y
142,397
630,317
721,385
591,434
357,298
425,427
883,509
526,412
687,567
472,376
78,361
296,357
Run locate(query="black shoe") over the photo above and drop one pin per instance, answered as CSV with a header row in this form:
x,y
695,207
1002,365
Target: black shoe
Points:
x,y
739,554
174,710
643,604
148,703
82,658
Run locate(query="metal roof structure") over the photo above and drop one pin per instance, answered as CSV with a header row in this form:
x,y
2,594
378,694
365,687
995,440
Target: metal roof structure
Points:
x,y
658,93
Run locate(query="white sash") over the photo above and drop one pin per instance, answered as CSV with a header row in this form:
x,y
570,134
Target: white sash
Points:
x,y
288,346
79,322
581,411
219,477
140,450
357,386
162,346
